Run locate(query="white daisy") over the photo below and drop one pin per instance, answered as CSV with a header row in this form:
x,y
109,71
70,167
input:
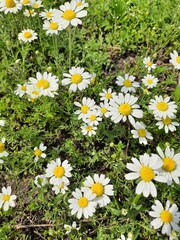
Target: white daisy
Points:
x,y
2,122
148,63
166,217
82,204
52,27
6,199
124,107
150,81
10,6
86,105
3,152
40,181
36,4
171,164
69,14
141,133
47,14
25,2
47,82
77,78
175,59
167,123
29,13
128,84
80,3
88,130
27,35
33,92
99,186
21,90
147,170
38,152
93,117
62,187
103,109
124,238
69,228
107,95
58,172
162,107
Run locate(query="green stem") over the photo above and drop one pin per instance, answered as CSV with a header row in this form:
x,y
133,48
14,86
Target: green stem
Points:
x,y
136,199
70,45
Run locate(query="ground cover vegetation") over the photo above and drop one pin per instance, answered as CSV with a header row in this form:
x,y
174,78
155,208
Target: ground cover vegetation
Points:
x,y
89,119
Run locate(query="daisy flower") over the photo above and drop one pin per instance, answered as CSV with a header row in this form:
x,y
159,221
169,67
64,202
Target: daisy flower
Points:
x,y
58,171
2,122
69,228
148,63
52,27
166,217
103,109
21,90
80,3
124,238
47,14
77,78
25,2
3,152
88,130
86,105
141,133
29,13
38,152
27,35
147,170
100,187
82,203
171,164
150,81
62,187
128,84
69,14
46,82
107,95
10,6
175,59
36,4
124,107
33,92
167,123
6,199
93,117
162,107
40,181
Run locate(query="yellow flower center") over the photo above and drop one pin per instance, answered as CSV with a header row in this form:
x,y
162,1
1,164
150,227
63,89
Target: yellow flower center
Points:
x,y
27,35
166,120
92,117
35,92
38,152
59,172
36,5
103,110
162,106
108,95
30,12
149,81
178,59
6,198
69,15
89,128
125,109
78,4
127,83
149,64
49,14
166,216
53,26
2,147
10,3
98,189
61,186
43,83
23,88
147,174
25,2
84,109
76,78
83,202
142,132
169,164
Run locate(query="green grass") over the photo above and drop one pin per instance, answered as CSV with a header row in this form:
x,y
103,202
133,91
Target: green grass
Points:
x,y
113,40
